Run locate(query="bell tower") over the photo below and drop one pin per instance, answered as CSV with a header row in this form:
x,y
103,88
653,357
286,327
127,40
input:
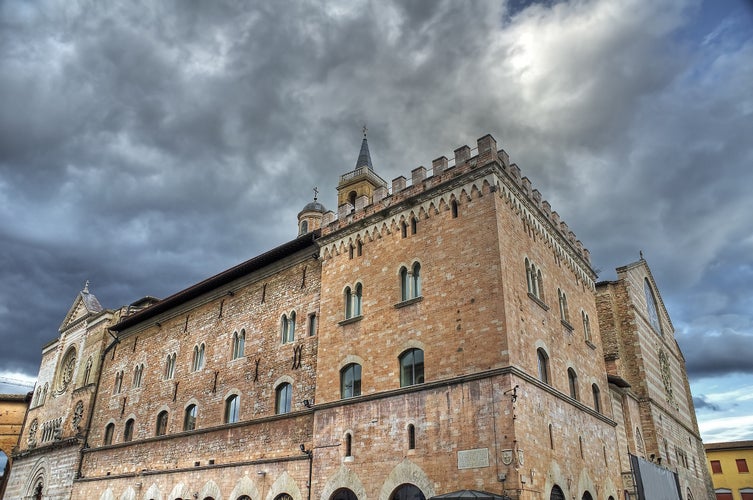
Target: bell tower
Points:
x,y
362,181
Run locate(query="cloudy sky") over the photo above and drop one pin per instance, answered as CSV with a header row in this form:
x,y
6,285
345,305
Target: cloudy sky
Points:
x,y
145,146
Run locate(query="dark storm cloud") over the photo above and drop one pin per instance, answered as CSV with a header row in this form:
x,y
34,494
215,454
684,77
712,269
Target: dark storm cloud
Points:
x,y
145,146
701,403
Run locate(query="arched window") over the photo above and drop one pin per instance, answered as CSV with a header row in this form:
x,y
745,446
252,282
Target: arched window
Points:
x,y
404,229
651,309
47,388
410,282
128,430
556,493
351,251
287,327
359,248
348,445
118,382
564,313
411,437
348,302
170,366
198,358
413,225
534,280
586,326
411,367
189,419
283,398
597,397
304,227
239,343
454,209
587,496
357,300
543,365
232,409
551,437
343,494
88,371
350,381
137,372
407,492
161,423
352,198
404,284
572,381
109,431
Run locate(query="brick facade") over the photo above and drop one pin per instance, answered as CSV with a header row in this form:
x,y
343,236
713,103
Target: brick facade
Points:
x,y
467,270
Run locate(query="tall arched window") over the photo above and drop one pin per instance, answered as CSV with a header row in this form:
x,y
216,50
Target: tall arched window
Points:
x,y
239,343
283,398
410,282
287,327
413,225
416,280
597,397
651,309
411,437
304,227
350,381
161,423
557,493
404,284
128,430
109,431
189,419
232,409
543,365
198,357
586,326
343,494
118,382
411,367
137,373
572,381
348,302
88,371
357,300
564,313
534,280
170,366
348,445
454,209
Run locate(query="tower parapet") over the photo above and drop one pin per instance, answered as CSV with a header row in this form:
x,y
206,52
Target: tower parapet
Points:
x,y
362,193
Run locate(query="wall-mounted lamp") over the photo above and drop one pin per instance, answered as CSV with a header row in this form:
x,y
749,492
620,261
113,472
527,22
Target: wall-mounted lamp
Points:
x,y
262,473
305,451
308,403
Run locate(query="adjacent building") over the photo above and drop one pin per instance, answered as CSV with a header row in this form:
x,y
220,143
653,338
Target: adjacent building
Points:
x,y
12,413
437,334
730,465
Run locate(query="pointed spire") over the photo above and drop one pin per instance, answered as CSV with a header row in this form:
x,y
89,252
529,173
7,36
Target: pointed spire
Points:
x,y
364,158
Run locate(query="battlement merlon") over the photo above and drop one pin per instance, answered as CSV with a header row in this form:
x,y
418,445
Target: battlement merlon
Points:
x,y
444,170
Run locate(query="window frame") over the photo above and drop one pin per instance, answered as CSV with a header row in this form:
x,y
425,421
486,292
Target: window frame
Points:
x,y
232,409
239,343
542,364
407,362
283,406
162,421
572,382
190,416
352,371
109,434
128,430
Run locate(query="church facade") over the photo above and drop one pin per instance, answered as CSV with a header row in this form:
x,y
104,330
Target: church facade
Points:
x,y
431,336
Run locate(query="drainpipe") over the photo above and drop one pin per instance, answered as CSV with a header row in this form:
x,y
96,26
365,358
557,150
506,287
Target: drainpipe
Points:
x,y
310,454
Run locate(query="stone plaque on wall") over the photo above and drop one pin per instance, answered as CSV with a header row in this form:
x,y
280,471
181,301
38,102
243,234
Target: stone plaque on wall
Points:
x,y
473,459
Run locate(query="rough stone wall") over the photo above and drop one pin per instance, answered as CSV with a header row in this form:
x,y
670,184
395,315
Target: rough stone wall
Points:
x,y
256,305
56,466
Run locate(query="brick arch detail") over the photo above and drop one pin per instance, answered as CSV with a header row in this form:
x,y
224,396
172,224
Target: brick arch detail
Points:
x,y
39,471
406,472
153,492
344,478
180,490
245,486
284,484
128,494
210,489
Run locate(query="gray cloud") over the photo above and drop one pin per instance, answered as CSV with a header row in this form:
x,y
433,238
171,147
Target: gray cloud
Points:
x,y
701,402
148,146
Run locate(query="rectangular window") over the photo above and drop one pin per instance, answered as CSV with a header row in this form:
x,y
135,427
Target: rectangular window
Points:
x,y
716,467
742,465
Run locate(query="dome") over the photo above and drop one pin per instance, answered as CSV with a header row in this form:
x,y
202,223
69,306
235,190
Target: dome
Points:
x,y
314,206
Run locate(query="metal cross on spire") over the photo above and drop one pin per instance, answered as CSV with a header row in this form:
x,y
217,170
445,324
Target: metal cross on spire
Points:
x,y
316,192
364,130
